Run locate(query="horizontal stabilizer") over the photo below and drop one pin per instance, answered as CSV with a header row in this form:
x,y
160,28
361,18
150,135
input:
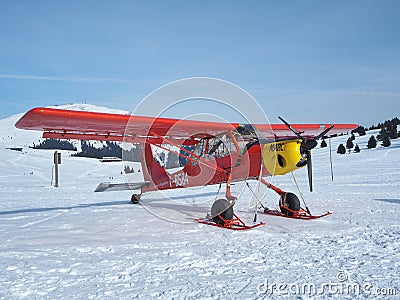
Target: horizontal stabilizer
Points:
x,y
107,186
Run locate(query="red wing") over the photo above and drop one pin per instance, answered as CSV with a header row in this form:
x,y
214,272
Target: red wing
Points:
x,y
69,124
306,130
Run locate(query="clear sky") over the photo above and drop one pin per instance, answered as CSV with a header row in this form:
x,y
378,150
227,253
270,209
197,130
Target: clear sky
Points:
x,y
308,61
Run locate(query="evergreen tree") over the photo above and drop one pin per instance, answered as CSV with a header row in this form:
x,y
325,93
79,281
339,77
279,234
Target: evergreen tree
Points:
x,y
110,149
352,137
362,131
392,131
389,129
386,141
341,149
349,143
395,121
371,142
128,170
160,158
131,154
357,149
323,144
373,127
382,134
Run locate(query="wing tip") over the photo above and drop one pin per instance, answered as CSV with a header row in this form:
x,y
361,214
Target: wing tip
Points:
x,y
25,122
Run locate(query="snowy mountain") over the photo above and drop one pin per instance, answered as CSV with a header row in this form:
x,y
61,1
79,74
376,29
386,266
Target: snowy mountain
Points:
x,y
71,243
13,137
90,107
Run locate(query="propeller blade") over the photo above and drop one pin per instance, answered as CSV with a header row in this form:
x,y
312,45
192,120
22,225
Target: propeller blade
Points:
x,y
309,170
324,132
301,163
310,144
290,127
307,145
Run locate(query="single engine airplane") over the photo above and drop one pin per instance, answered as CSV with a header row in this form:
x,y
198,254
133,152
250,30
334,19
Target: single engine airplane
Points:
x,y
209,152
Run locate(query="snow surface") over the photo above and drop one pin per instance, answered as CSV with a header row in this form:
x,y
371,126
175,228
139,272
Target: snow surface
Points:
x,y
90,107
71,243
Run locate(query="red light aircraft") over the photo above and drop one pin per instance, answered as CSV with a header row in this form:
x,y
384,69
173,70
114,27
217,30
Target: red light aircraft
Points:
x,y
210,152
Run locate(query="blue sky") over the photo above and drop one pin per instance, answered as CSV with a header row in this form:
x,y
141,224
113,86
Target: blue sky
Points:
x,y
308,61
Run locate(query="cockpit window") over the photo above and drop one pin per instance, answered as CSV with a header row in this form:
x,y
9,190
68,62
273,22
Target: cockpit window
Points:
x,y
218,146
221,146
245,135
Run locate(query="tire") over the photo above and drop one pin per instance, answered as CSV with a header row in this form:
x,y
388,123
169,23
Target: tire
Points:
x,y
220,210
135,199
290,201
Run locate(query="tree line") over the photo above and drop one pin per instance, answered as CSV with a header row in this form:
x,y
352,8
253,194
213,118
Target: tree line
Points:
x,y
388,131
54,144
108,149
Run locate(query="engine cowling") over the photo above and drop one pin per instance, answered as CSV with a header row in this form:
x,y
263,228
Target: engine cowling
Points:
x,y
283,156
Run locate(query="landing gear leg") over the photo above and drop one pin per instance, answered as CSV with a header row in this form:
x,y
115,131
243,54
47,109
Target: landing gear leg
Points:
x,y
288,203
228,194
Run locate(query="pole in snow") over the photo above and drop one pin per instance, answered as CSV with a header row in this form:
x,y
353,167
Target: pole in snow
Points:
x,y
57,161
330,157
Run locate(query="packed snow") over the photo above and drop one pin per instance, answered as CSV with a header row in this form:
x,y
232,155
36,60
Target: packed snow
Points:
x,y
72,243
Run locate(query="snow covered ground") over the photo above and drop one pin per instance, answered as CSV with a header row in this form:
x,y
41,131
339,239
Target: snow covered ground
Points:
x,y
71,243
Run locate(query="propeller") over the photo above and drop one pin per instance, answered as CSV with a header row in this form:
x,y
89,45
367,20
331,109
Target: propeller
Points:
x,y
306,146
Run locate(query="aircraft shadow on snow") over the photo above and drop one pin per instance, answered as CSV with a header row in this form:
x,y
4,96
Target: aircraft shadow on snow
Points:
x,y
149,202
396,201
46,209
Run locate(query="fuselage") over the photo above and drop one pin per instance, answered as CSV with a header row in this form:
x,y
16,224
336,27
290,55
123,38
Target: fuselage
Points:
x,y
217,159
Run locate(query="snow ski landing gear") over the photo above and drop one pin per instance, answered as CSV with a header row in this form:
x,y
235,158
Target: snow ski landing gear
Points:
x,y
289,205
300,214
222,215
290,208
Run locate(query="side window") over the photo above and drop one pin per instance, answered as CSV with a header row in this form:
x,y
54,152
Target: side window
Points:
x,y
200,147
221,146
199,150
182,158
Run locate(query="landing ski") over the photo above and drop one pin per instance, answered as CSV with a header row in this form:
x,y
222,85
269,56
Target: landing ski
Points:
x,y
235,224
301,214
